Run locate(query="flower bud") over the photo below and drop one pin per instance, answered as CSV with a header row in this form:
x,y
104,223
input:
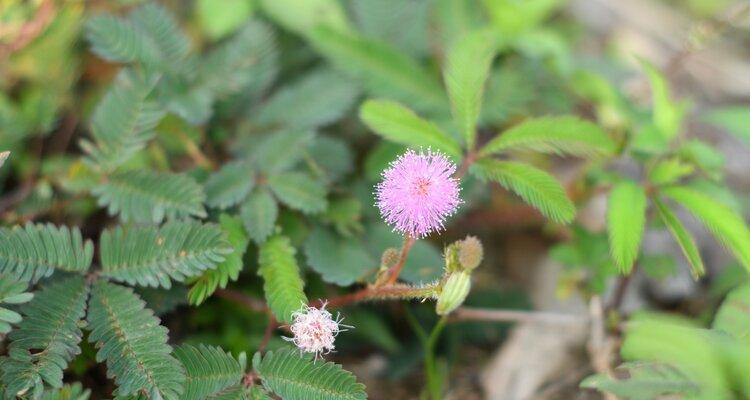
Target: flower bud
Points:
x,y
451,259
454,292
470,252
389,258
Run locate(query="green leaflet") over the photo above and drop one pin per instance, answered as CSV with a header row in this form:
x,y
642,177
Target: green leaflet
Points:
x,y
727,226
299,191
667,114
11,292
247,61
696,353
733,316
129,338
534,186
735,119
259,214
33,251
68,392
229,269
556,135
281,150
466,70
683,237
283,284
47,339
229,185
645,380
303,17
338,260
208,371
153,256
399,124
626,221
382,69
150,36
123,121
669,171
293,376
119,40
318,99
148,196
162,30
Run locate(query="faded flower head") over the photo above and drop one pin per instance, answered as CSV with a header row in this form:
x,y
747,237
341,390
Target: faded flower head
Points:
x,y
418,192
315,330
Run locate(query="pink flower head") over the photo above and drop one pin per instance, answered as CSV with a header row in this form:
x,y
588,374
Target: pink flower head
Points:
x,y
418,192
315,330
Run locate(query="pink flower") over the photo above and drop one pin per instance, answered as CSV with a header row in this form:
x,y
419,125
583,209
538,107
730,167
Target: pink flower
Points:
x,y
315,330
418,192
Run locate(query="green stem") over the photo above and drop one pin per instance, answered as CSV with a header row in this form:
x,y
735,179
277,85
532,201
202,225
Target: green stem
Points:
x,y
434,381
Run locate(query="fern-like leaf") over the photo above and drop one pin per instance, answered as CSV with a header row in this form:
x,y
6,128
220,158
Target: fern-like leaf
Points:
x,y
123,122
229,269
683,237
299,191
733,316
119,40
727,226
534,186
466,71
294,376
11,292
283,285
281,150
319,98
259,214
151,256
209,371
384,71
35,250
246,61
147,196
399,124
230,185
129,338
162,29
626,220
556,135
47,338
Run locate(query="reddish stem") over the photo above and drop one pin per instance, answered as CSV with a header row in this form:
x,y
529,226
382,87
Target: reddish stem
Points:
x,y
395,271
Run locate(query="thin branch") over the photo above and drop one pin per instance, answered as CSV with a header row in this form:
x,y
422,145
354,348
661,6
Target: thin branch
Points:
x,y
379,293
395,271
466,164
486,314
242,299
272,324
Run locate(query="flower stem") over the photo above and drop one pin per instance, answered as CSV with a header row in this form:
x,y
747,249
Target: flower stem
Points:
x,y
432,374
395,271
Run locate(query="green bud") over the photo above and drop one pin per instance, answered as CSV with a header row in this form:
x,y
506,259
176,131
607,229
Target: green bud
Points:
x,y
454,292
451,259
389,258
470,252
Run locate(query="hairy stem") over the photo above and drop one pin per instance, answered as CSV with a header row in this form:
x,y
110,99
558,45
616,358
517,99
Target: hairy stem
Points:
x,y
395,271
382,293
